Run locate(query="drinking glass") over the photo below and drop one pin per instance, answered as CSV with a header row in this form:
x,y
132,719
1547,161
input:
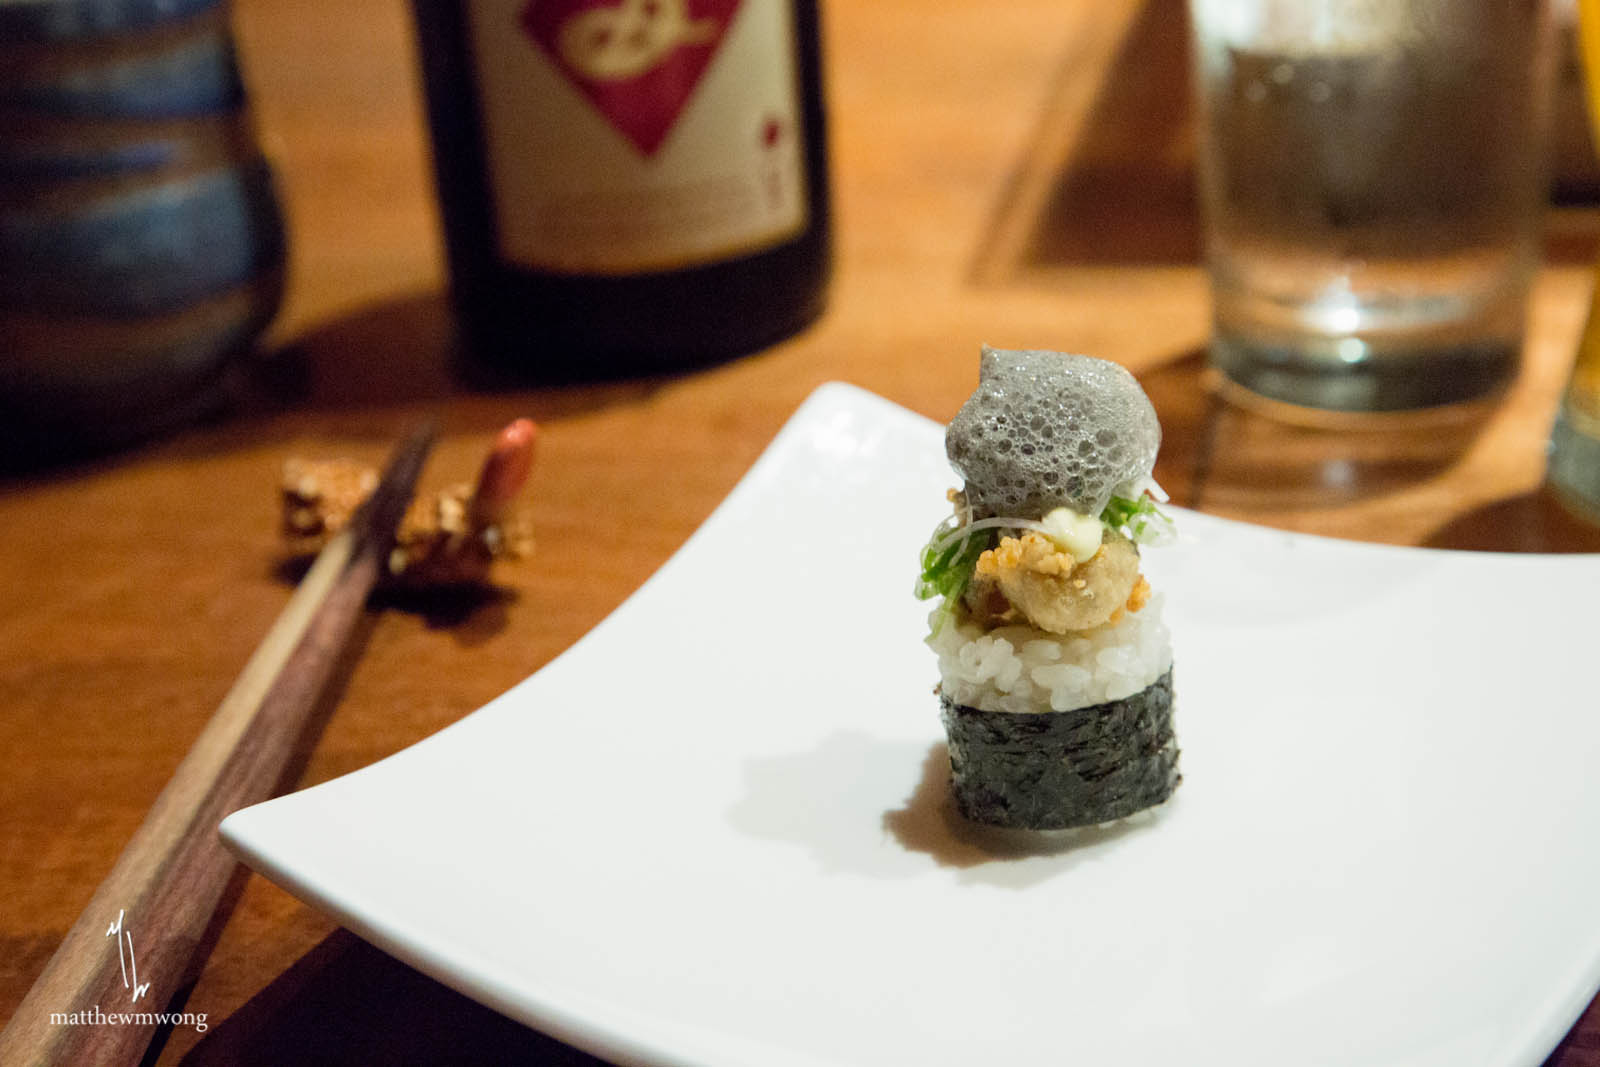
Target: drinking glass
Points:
x,y
1372,177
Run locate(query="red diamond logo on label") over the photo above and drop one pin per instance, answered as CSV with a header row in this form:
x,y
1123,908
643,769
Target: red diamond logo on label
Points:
x,y
638,61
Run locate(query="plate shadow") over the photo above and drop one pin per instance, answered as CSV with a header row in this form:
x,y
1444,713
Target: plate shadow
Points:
x,y
831,802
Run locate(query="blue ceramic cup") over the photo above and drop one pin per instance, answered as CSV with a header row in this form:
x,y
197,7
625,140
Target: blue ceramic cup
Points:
x,y
141,245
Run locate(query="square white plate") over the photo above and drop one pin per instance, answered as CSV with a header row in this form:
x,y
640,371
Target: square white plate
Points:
x,y
715,833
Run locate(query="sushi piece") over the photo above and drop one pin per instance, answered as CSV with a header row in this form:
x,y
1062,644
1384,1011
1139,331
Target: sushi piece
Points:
x,y
1055,669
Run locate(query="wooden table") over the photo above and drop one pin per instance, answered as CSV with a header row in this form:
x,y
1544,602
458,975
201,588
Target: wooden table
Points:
x,y
1015,174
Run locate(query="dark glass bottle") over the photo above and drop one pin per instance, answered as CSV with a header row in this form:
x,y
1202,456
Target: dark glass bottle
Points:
x,y
628,186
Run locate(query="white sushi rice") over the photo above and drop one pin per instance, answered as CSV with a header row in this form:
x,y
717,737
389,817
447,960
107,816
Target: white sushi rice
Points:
x,y
1021,669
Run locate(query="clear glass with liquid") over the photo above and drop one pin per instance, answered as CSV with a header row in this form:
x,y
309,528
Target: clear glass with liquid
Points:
x,y
1372,176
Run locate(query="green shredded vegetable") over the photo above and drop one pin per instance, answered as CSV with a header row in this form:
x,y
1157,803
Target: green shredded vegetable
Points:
x,y
946,573
1140,519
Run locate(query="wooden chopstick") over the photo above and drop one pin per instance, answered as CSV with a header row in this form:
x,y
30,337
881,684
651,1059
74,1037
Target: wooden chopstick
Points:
x,y
135,946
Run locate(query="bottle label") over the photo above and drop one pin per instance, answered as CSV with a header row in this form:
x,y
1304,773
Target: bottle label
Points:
x,y
639,135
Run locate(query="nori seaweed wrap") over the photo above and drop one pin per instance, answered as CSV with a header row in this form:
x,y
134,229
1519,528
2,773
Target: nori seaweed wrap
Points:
x,y
1054,770
1055,668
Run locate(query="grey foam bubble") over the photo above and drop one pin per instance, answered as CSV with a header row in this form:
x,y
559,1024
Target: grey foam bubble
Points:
x,y
1047,429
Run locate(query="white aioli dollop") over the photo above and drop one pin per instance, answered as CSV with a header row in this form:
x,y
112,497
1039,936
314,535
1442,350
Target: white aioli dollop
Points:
x,y
1073,533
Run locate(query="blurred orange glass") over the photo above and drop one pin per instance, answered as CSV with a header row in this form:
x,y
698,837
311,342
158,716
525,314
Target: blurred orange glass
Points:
x,y
1575,441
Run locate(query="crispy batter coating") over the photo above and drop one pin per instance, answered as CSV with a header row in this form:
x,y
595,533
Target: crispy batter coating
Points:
x,y
1052,590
